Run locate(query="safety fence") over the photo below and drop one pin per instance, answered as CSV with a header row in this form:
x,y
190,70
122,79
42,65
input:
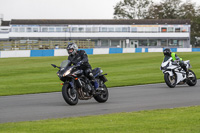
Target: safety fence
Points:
x,y
90,51
36,45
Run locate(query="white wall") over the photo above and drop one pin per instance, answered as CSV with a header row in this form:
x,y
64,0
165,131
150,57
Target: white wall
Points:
x,y
101,51
15,53
128,50
60,52
184,49
155,49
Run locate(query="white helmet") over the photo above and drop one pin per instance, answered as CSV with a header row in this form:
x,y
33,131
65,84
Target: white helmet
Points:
x,y
72,46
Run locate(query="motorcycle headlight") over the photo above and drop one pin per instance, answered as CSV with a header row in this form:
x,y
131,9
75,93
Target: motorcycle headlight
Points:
x,y
67,72
101,71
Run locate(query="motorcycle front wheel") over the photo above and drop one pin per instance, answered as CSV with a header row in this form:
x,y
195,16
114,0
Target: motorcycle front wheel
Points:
x,y
70,96
102,96
170,80
192,80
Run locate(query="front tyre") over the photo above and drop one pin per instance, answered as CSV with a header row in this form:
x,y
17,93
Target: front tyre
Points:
x,y
170,80
102,96
70,96
192,80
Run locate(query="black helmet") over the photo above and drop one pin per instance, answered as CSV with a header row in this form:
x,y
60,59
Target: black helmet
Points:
x,y
167,52
72,46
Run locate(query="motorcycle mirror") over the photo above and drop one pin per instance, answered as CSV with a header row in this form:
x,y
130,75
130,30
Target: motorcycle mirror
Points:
x,y
54,65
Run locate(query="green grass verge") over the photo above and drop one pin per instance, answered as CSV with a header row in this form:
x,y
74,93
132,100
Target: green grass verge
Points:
x,y
178,120
36,75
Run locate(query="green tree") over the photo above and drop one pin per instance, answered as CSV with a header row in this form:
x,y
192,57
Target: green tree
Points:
x,y
131,9
167,9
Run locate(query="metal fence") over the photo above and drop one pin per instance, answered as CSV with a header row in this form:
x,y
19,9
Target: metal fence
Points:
x,y
35,45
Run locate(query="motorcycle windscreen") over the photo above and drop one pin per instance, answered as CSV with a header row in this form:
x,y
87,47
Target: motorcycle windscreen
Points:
x,y
64,63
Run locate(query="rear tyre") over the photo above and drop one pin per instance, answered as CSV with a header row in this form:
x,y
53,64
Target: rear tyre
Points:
x,y
192,80
170,80
70,97
102,96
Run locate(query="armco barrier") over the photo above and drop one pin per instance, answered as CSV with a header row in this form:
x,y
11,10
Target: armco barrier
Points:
x,y
63,52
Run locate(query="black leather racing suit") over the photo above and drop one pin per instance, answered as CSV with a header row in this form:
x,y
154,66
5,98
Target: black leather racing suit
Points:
x,y
82,57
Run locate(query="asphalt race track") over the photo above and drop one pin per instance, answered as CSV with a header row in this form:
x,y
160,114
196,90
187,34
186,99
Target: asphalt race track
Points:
x,y
122,99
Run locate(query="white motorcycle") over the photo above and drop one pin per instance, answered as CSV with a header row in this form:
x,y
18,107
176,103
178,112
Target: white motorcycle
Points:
x,y
175,75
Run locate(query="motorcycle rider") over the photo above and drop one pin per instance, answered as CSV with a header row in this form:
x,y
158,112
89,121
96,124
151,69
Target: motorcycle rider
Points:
x,y
80,58
167,53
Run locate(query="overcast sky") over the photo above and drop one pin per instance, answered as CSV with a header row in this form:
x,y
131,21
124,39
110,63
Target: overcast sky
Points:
x,y
59,9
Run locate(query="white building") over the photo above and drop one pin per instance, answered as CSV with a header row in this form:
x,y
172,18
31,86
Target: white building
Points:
x,y
105,33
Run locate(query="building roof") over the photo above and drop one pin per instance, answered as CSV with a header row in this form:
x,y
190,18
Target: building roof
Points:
x,y
99,21
5,23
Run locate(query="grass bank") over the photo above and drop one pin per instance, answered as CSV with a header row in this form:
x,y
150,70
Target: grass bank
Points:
x,y
178,120
36,75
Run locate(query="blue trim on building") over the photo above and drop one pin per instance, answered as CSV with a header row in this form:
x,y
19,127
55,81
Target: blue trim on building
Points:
x,y
146,50
138,50
88,51
195,49
38,53
0,54
115,50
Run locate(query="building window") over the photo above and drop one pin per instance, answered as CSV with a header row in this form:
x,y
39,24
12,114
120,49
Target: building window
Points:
x,y
51,29
177,29
81,29
184,29
58,29
15,29
110,29
65,29
142,42
124,29
115,43
163,42
163,29
141,29
35,30
104,29
152,42
134,29
173,42
88,29
44,29
105,43
154,29
28,29
170,29
95,29
21,29
118,29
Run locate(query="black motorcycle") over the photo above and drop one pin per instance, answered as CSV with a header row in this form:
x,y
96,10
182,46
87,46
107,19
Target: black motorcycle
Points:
x,y
77,86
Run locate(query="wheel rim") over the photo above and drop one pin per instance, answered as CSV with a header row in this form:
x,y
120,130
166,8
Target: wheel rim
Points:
x,y
172,79
103,93
71,95
191,77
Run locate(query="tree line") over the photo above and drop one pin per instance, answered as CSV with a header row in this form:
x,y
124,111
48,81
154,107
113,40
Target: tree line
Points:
x,y
165,9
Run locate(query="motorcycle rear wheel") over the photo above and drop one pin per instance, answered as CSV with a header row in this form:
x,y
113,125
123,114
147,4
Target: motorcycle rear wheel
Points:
x,y
170,81
191,81
103,96
70,97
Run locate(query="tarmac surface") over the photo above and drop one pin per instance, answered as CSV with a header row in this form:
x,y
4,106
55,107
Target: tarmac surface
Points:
x,y
121,99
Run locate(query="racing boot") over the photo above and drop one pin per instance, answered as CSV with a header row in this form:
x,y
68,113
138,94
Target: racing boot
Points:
x,y
96,85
